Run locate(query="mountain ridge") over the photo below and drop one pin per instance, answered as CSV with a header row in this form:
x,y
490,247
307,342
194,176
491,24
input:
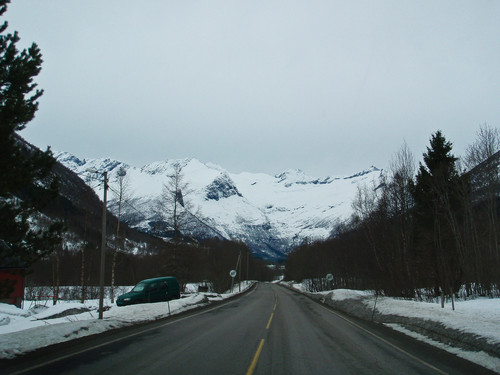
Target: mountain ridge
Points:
x,y
271,214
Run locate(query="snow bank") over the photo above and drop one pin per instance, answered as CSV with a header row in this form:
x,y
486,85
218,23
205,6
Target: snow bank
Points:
x,y
471,331
22,331
480,317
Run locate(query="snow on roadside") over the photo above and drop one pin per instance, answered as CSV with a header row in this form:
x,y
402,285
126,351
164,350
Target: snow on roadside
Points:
x,y
481,358
22,331
479,316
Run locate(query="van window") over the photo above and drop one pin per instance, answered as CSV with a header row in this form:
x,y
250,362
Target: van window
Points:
x,y
139,287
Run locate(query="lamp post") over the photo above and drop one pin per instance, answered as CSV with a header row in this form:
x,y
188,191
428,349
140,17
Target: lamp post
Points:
x,y
103,242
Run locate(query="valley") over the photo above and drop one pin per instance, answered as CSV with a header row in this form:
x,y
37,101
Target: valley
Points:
x,y
271,214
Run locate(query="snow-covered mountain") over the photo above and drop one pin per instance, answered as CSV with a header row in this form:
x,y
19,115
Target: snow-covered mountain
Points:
x,y
271,214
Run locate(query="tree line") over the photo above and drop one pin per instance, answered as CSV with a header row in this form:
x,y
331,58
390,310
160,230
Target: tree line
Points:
x,y
421,232
208,262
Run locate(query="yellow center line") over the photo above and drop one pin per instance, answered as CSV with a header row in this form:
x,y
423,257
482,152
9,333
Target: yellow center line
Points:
x,y
255,358
259,349
269,322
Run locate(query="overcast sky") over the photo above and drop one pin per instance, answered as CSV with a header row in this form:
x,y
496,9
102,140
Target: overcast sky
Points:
x,y
329,87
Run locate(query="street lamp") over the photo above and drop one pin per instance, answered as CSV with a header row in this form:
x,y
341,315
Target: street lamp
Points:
x,y
103,241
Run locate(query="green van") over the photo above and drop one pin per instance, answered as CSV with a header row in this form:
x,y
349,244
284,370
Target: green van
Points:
x,y
151,290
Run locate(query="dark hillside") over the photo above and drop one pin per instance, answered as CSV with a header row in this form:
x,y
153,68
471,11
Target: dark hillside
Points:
x,y
140,256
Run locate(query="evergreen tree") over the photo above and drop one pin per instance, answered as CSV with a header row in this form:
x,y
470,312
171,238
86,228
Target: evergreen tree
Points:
x,y
437,208
26,185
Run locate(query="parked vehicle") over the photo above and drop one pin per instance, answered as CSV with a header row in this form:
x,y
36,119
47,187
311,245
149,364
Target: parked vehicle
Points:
x,y
151,290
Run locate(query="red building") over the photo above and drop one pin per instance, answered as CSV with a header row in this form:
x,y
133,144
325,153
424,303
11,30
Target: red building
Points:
x,y
12,285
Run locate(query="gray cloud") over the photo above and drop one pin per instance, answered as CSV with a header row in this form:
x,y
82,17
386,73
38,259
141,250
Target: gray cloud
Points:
x,y
327,86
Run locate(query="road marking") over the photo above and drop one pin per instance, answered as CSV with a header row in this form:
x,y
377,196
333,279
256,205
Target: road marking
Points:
x,y
386,342
255,358
259,349
269,322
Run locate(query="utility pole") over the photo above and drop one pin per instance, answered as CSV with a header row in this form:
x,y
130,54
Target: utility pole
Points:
x,y
103,246
239,271
103,240
238,264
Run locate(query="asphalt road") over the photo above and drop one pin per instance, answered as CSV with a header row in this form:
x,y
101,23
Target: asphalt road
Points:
x,y
270,330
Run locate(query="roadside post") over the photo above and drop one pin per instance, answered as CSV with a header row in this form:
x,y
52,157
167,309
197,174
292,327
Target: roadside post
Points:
x,y
168,304
232,273
329,277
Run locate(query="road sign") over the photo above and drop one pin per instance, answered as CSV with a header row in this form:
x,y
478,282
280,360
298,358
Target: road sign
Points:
x,y
232,273
329,277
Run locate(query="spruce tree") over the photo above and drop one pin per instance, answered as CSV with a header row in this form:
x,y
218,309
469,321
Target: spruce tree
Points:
x,y
437,207
26,183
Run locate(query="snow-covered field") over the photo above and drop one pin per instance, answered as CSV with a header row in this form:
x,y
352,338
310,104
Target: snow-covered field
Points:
x,y
478,318
25,330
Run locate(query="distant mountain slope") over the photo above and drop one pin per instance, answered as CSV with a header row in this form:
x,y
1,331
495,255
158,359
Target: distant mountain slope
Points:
x,y
80,209
271,214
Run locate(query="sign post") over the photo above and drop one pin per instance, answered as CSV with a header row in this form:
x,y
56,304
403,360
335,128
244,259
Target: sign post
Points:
x,y
232,273
329,277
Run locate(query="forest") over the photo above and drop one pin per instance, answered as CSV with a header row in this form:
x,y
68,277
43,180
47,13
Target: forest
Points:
x,y
209,262
423,232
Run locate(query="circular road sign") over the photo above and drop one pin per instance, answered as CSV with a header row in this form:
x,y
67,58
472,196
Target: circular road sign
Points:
x,y
329,277
232,273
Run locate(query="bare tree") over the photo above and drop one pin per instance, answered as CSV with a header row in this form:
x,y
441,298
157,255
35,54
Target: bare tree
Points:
x,y
121,197
402,171
483,163
365,204
400,201
176,210
174,205
486,145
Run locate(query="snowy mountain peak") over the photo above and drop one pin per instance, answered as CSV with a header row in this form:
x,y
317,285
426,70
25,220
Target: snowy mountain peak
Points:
x,y
364,172
81,166
291,176
166,167
69,160
222,187
162,167
272,214
296,176
108,165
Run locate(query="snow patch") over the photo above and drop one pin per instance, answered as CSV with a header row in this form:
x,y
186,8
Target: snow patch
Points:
x,y
22,331
472,327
